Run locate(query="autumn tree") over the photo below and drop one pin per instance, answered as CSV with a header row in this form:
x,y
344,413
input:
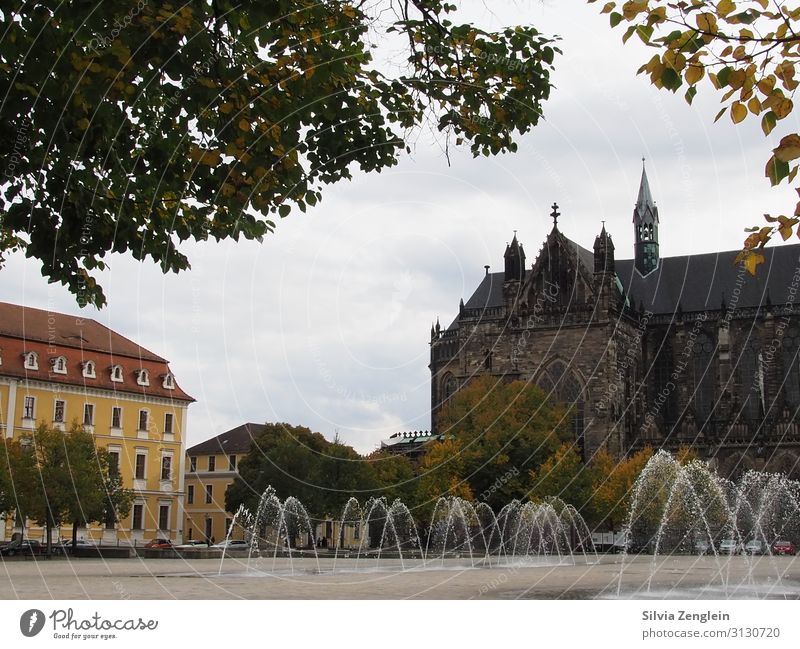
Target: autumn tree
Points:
x,y
133,127
612,485
500,431
746,50
564,476
394,477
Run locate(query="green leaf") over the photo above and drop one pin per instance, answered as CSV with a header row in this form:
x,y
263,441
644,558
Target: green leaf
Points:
x,y
615,18
670,79
689,96
283,210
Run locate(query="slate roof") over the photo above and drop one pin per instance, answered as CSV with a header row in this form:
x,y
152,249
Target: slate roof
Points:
x,y
695,282
235,441
698,282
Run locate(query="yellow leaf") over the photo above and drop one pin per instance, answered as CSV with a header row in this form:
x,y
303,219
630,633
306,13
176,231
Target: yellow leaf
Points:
x,y
754,105
782,108
725,7
738,112
752,260
789,148
694,74
349,11
244,125
83,124
707,22
608,7
631,8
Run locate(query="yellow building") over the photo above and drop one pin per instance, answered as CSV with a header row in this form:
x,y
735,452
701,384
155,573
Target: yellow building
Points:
x,y
211,467
59,369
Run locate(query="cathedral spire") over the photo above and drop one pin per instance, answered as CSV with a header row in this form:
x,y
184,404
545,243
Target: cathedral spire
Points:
x,y
514,261
645,226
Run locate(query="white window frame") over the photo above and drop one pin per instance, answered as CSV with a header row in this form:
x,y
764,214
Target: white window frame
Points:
x,y
91,410
208,494
89,370
113,408
31,361
133,516
169,430
169,477
60,365
190,494
161,506
169,381
63,419
29,399
142,377
142,453
146,420
117,374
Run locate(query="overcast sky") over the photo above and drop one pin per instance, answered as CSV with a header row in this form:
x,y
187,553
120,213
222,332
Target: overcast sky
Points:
x,y
326,324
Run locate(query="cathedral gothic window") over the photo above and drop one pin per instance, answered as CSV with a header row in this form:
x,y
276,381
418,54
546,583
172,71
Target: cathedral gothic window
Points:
x,y
564,386
703,376
450,386
663,399
791,368
750,380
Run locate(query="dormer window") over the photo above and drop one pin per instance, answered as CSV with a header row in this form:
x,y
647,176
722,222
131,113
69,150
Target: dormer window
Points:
x,y
59,364
116,373
88,370
142,377
169,381
31,360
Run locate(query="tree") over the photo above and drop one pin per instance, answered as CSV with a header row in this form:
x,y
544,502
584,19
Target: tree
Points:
x,y
502,430
565,476
62,477
17,470
131,128
612,485
748,51
296,462
394,477
442,473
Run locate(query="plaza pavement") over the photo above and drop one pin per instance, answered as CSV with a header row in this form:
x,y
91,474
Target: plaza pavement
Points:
x,y
633,577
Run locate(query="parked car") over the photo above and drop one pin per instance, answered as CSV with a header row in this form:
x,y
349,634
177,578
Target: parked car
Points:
x,y
756,546
191,544
703,546
158,544
784,547
730,546
25,547
64,546
231,544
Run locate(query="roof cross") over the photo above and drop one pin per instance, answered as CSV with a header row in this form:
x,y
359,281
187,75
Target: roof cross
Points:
x,y
555,214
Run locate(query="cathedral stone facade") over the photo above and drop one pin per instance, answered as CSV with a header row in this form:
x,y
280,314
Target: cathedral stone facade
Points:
x,y
650,351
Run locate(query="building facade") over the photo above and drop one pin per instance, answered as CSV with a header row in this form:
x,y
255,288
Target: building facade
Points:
x,y
211,467
658,351
61,369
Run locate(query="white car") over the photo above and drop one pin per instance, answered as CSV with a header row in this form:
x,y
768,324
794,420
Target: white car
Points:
x,y
191,544
231,544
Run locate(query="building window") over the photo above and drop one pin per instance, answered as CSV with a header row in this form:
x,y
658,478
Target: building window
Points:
x,y
791,368
232,463
193,464
138,517
208,529
143,420
209,494
663,393
212,463
169,381
59,365
163,517
142,377
166,467
29,408
168,419
751,381
228,523
141,461
88,414
563,386
31,361
190,495
113,463
88,370
449,387
116,417
58,411
116,374
189,526
703,376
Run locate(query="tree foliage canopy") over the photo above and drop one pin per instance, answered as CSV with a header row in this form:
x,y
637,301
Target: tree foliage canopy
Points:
x,y
747,50
134,127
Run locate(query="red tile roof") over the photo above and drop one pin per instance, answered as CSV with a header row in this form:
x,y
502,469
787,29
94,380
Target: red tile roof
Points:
x,y
51,334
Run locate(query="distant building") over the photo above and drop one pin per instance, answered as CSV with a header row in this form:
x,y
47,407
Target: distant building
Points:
x,y
660,351
411,443
59,369
211,467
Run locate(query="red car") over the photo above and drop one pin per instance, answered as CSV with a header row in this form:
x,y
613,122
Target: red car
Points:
x,y
159,544
784,547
